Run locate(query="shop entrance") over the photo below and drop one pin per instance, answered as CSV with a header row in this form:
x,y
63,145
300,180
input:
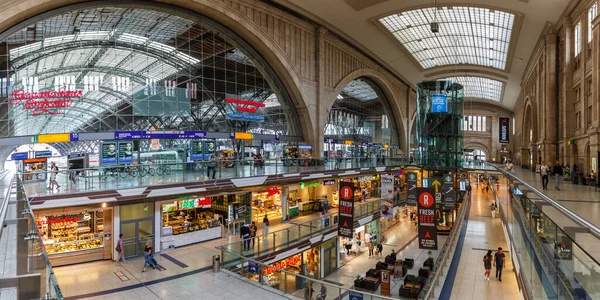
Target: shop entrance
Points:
x,y
330,251
137,227
135,234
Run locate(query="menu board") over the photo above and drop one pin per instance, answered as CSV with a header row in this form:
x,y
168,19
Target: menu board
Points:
x,y
125,152
109,153
197,150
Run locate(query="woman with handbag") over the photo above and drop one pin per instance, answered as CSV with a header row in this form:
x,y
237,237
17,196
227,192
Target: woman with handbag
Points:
x,y
120,250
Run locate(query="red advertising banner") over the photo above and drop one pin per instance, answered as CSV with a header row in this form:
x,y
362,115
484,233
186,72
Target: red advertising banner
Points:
x,y
427,228
346,210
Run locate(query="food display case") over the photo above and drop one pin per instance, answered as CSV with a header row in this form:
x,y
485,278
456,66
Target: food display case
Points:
x,y
190,220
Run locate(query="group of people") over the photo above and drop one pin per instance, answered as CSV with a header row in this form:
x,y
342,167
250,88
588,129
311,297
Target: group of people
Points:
x,y
248,232
211,166
498,260
375,249
557,171
148,254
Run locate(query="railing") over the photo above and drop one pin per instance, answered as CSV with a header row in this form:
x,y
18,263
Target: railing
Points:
x,y
124,176
284,238
428,291
34,278
548,267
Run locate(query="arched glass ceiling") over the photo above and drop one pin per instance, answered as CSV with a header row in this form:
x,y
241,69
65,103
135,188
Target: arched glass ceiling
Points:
x,y
479,87
467,35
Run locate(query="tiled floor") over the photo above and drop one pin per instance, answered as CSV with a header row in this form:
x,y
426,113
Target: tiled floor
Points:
x,y
483,233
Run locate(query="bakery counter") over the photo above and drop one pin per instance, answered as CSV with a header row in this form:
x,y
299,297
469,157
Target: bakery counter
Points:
x,y
198,236
76,257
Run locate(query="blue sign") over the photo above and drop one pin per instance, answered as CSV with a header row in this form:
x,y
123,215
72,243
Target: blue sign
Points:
x,y
355,295
326,222
74,137
335,219
19,156
425,182
76,155
277,137
195,134
439,103
252,267
128,135
462,185
41,154
107,235
232,135
246,117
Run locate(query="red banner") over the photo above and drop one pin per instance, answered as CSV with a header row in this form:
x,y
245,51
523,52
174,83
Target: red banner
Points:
x,y
51,102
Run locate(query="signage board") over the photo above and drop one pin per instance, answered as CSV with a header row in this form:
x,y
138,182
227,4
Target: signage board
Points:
x,y
346,210
449,193
108,153
439,103
209,148
76,155
195,134
243,136
328,182
125,152
128,135
462,185
427,227
19,156
45,153
54,138
387,196
355,296
504,130
326,222
196,150
252,267
244,109
74,136
44,102
411,194
385,282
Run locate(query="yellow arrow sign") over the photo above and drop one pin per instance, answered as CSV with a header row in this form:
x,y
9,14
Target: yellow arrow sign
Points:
x,y
436,184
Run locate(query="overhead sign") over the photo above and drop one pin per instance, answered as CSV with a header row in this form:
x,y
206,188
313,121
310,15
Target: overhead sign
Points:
x,y
504,130
427,228
436,183
346,210
54,138
449,193
76,155
41,154
243,136
243,109
44,102
412,188
439,103
19,156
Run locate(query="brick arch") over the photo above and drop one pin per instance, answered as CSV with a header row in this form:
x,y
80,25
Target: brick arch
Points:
x,y
390,97
230,14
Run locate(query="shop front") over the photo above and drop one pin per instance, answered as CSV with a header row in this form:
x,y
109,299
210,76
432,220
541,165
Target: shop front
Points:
x,y
350,248
307,263
193,219
367,187
76,234
311,197
267,202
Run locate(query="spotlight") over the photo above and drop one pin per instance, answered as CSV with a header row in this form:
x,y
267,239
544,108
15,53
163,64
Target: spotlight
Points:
x,y
435,27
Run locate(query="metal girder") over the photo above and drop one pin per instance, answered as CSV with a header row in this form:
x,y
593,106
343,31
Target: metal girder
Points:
x,y
137,77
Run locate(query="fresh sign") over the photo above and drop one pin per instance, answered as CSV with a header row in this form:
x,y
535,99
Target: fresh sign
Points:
x,y
427,227
346,209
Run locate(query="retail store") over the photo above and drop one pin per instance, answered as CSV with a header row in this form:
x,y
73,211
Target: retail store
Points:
x,y
267,202
306,263
311,197
193,219
367,187
351,248
76,234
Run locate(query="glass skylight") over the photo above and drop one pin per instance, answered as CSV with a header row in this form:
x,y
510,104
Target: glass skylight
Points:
x,y
360,90
479,87
467,35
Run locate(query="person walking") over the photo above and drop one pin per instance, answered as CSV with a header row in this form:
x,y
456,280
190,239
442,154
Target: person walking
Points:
x,y
120,250
253,230
544,174
245,235
148,259
53,174
557,172
379,249
211,166
493,209
371,247
487,264
266,224
323,293
499,260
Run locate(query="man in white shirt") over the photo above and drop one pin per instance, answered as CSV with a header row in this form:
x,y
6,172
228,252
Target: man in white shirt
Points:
x,y
544,173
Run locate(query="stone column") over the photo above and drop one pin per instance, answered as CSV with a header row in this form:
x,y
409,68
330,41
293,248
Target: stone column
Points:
x,y
525,158
550,122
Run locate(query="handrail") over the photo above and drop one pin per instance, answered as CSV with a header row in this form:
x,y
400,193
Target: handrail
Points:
x,y
4,207
445,249
595,230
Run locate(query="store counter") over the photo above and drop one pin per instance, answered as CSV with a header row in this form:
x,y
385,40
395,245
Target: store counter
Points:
x,y
197,236
76,257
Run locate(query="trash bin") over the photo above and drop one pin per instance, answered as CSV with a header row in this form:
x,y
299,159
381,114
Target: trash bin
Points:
x,y
216,262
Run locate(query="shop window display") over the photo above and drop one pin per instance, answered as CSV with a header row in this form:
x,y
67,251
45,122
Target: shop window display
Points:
x,y
189,215
266,203
71,232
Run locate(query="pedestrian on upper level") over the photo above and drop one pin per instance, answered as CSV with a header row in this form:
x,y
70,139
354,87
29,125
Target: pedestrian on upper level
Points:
x,y
253,230
544,174
557,172
266,224
245,235
211,166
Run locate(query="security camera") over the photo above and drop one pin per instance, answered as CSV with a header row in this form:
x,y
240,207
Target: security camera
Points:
x,y
435,27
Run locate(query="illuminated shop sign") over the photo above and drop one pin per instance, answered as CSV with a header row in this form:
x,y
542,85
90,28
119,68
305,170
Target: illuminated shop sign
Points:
x,y
504,129
241,109
50,102
329,182
273,191
308,185
365,178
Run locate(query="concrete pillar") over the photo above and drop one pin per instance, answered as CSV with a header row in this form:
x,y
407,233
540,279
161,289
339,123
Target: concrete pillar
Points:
x,y
550,122
525,158
284,205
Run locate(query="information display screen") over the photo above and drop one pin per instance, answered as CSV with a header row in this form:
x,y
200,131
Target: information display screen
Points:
x,y
109,153
209,148
125,152
197,150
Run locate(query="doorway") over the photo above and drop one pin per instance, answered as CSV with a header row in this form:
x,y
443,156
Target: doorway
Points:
x,y
330,251
137,227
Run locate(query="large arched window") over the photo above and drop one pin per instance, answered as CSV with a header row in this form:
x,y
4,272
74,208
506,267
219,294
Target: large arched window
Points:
x,y
114,68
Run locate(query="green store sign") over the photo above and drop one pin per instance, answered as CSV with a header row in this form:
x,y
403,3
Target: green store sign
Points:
x,y
307,185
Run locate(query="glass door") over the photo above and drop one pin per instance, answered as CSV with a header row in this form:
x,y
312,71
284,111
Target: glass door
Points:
x,y
135,235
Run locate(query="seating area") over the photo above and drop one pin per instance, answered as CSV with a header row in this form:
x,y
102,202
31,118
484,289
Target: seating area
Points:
x,y
412,285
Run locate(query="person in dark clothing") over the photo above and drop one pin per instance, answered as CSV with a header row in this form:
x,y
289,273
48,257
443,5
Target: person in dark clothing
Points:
x,y
487,264
499,260
245,234
557,172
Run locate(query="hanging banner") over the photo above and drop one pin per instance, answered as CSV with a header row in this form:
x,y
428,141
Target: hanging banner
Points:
x,y
412,188
427,228
125,152
504,129
387,196
346,209
108,156
449,193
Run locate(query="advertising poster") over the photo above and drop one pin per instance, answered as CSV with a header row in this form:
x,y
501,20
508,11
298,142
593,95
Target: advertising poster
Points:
x,y
209,148
355,295
412,188
387,196
426,213
197,150
504,129
109,154
439,103
449,193
125,152
346,209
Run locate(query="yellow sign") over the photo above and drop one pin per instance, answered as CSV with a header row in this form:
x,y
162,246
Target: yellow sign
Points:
x,y
243,136
386,146
54,138
348,142
436,184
